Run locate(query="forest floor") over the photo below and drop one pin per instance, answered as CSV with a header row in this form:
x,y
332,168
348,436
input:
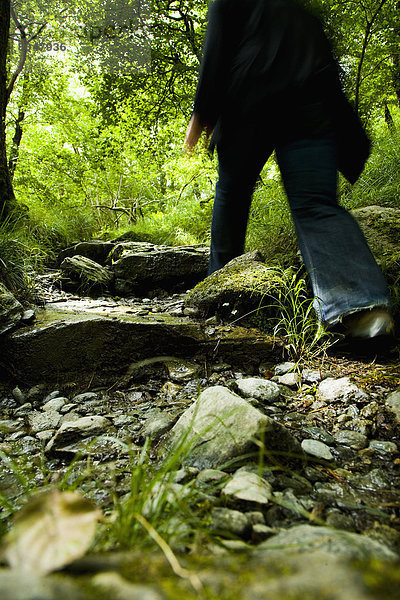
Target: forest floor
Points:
x,y
323,524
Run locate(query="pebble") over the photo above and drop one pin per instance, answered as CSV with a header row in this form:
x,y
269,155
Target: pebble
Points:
x,y
317,449
351,439
230,521
248,487
284,368
260,389
55,404
383,447
18,395
342,389
291,380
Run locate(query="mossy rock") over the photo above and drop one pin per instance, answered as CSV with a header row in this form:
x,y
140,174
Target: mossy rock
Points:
x,y
239,289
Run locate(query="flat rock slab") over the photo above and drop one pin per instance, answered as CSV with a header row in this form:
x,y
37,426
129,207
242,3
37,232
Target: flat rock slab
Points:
x,y
78,341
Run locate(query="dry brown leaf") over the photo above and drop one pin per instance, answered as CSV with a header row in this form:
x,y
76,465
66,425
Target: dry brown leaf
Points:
x,y
50,531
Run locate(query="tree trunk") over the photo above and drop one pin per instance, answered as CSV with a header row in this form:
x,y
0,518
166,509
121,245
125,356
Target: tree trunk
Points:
x,y
7,198
14,152
389,119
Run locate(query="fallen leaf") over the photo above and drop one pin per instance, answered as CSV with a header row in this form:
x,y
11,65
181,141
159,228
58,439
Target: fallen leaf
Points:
x,y
50,531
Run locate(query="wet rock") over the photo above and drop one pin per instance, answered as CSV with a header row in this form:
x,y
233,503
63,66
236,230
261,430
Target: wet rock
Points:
x,y
10,310
160,267
260,389
40,421
230,521
23,410
316,433
344,544
392,403
383,448
220,426
157,425
375,479
182,370
317,449
10,426
70,431
343,389
247,487
84,275
211,476
119,588
352,439
243,285
85,397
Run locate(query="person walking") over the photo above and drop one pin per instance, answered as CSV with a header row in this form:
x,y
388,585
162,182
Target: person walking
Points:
x,y
268,81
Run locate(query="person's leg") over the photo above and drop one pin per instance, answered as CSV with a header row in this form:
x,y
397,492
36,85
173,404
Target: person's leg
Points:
x,y
344,274
238,170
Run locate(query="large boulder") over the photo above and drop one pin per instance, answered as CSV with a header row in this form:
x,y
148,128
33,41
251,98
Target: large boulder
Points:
x,y
241,287
143,267
381,227
220,426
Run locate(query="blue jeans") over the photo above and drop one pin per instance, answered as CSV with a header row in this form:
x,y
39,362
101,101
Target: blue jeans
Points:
x,y
343,272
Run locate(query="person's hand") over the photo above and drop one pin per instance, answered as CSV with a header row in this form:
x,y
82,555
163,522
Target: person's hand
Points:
x,y
193,133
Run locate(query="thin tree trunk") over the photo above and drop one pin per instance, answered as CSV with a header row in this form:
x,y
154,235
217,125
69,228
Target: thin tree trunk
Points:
x,y
14,152
389,119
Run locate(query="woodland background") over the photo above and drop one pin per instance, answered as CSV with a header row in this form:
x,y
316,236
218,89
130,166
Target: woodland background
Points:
x,y
92,152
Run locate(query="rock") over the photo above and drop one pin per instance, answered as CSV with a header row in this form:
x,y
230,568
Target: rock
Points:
x,y
352,439
74,342
118,588
381,227
10,310
18,395
382,447
23,410
211,476
160,267
84,275
55,404
284,368
220,426
248,487
392,403
260,389
96,250
312,377
244,285
308,538
71,431
317,449
343,389
157,425
291,380
182,370
230,521
9,426
85,397
41,421
316,433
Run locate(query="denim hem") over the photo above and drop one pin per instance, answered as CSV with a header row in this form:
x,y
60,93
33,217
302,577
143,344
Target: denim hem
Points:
x,y
338,319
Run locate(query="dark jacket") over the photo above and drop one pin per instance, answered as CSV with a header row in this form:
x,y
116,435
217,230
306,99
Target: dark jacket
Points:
x,y
268,70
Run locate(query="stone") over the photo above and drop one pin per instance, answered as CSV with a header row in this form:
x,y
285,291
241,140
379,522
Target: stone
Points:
x,y
220,426
248,487
284,368
84,275
261,532
352,439
157,425
41,421
117,587
317,433
242,286
382,447
182,370
392,403
342,389
312,377
291,380
18,395
85,397
96,250
211,476
317,449
71,431
75,341
10,426
10,310
55,404
164,267
230,521
23,410
344,544
264,390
